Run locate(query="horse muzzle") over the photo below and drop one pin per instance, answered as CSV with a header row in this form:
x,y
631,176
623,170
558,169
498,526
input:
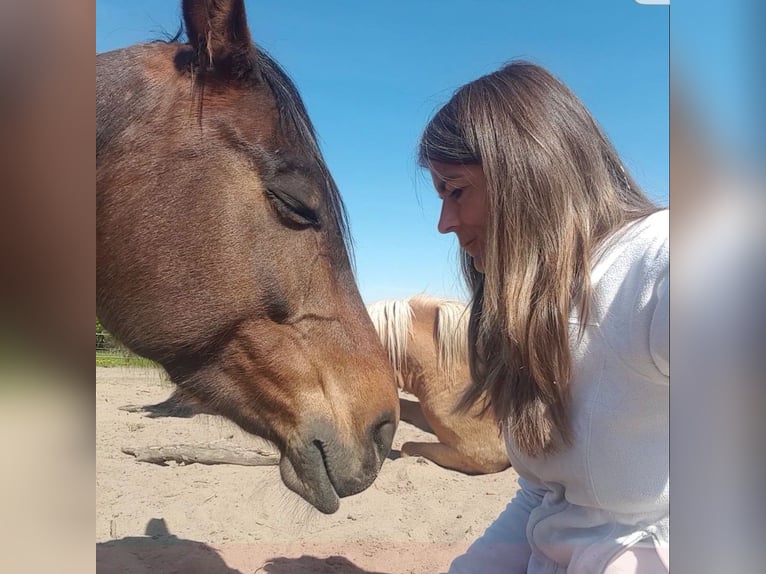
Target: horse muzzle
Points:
x,y
322,468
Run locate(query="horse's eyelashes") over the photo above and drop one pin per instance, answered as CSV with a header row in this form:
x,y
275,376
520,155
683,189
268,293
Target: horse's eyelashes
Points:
x,y
293,195
292,209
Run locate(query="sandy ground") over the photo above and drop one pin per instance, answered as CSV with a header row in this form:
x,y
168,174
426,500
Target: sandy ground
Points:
x,y
226,519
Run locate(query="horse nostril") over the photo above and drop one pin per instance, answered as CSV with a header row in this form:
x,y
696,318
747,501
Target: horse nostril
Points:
x,y
383,435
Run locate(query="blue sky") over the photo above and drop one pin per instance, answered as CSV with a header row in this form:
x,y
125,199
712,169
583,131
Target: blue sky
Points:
x,y
718,60
372,74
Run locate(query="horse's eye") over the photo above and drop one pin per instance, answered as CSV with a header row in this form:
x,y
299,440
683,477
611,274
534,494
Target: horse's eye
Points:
x,y
292,209
294,197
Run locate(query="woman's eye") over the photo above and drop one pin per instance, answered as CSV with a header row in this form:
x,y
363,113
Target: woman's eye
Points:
x,y
456,193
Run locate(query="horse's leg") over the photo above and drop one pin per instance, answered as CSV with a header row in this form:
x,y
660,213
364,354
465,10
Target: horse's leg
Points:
x,y
170,408
167,408
410,412
442,455
176,405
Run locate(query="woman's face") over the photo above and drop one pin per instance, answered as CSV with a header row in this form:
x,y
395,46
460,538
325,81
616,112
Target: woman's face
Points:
x,y
463,191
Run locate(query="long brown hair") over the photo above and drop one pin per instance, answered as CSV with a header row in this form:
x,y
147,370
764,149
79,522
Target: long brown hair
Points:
x,y
556,189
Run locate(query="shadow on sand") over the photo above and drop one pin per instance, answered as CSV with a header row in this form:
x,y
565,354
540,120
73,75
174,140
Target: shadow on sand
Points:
x,y
159,551
312,565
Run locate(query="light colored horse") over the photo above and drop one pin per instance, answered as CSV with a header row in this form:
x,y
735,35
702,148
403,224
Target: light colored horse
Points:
x,y
426,340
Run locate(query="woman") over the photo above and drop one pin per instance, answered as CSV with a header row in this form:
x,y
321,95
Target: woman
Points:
x,y
568,265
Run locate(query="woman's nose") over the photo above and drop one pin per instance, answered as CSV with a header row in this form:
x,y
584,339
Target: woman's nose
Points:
x,y
448,220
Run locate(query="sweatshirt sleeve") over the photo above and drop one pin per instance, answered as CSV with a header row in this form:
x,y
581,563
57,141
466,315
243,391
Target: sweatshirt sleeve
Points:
x,y
659,329
503,548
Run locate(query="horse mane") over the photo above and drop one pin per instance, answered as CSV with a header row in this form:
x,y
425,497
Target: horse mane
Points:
x,y
393,322
291,106
452,334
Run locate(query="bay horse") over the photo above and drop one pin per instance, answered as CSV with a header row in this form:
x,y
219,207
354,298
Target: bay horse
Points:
x,y
426,340
223,251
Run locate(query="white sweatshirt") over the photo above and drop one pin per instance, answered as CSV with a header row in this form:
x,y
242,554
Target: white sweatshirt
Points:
x,y
577,510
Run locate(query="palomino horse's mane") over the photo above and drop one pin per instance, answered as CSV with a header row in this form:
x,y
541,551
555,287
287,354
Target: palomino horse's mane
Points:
x,y
393,322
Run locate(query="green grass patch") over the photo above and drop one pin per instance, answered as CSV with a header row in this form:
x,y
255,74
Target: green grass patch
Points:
x,y
112,359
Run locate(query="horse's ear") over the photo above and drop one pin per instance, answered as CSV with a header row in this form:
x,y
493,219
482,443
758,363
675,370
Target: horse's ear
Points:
x,y
218,32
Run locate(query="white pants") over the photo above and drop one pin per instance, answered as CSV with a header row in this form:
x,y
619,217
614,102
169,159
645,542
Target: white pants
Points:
x,y
641,560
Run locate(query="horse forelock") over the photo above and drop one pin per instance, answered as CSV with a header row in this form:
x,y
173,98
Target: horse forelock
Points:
x,y
393,323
